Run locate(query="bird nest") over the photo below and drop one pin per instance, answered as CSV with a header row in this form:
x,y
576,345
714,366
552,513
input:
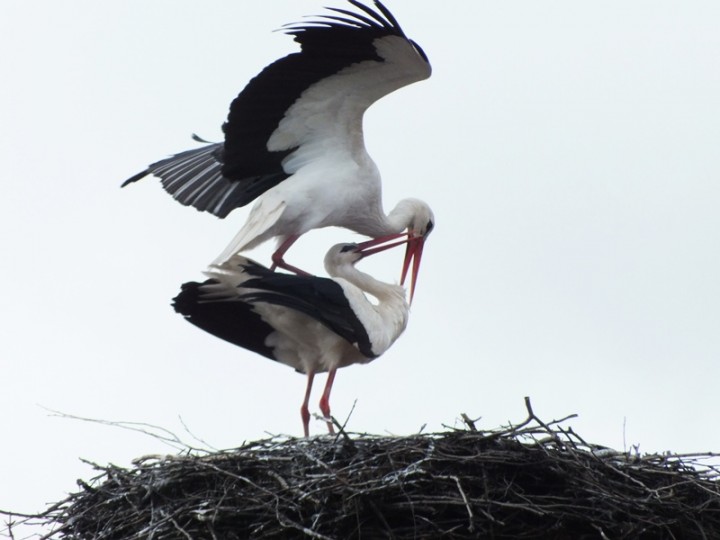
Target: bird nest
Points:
x,y
532,480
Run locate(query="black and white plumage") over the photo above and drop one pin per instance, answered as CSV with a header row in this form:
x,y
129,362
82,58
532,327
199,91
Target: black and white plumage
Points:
x,y
294,138
312,324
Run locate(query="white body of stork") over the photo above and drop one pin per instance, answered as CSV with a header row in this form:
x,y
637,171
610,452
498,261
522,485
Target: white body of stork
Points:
x,y
294,139
312,324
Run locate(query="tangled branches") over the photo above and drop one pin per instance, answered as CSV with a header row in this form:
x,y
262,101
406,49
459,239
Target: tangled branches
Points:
x,y
533,480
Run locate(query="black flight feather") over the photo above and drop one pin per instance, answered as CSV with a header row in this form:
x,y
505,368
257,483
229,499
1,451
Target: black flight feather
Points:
x,y
235,322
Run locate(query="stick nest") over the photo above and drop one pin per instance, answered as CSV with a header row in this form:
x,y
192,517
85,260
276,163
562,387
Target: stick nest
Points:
x,y
532,480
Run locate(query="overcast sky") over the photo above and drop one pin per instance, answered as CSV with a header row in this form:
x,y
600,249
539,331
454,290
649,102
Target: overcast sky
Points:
x,y
570,150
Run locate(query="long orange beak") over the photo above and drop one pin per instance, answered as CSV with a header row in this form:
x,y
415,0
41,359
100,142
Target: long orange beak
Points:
x,y
376,245
413,254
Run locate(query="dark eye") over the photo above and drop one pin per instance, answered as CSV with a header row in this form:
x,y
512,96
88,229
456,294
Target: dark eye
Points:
x,y
348,247
429,226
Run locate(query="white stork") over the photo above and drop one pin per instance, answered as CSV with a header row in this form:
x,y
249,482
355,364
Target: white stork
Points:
x,y
294,138
312,324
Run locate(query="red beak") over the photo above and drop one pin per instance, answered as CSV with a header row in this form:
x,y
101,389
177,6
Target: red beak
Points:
x,y
413,254
376,245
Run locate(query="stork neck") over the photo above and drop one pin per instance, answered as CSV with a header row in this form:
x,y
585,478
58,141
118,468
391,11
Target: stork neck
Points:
x,y
384,292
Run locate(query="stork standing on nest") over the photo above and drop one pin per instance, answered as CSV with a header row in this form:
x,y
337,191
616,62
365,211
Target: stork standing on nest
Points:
x,y
294,139
312,324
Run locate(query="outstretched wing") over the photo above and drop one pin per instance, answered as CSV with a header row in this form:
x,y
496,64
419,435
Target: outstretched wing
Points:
x,y
317,96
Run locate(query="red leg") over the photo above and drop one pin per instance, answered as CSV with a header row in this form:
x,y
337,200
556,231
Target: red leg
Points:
x,y
277,257
325,400
304,412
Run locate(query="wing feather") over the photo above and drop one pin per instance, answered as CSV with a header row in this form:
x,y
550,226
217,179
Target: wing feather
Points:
x,y
347,61
322,299
375,15
360,19
235,322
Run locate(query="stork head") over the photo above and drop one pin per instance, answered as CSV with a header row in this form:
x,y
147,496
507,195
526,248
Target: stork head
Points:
x,y
417,220
344,254
341,254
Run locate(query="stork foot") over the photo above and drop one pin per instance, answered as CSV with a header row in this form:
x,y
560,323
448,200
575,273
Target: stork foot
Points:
x,y
280,263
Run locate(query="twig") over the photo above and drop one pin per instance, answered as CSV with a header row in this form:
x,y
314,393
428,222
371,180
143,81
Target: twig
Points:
x,y
289,523
10,514
201,441
157,432
471,516
602,533
180,529
341,428
468,422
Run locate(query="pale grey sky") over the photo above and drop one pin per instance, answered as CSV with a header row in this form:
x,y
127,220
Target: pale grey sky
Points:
x,y
569,150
